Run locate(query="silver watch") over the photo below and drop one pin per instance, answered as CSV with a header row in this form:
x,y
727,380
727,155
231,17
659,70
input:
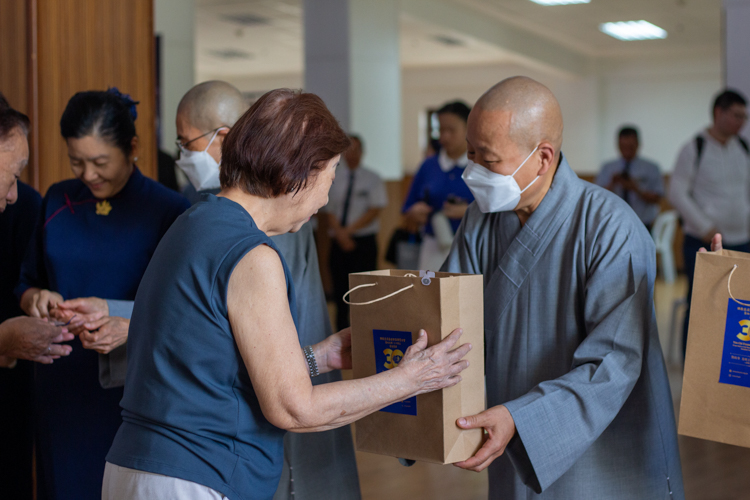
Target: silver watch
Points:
x,y
311,363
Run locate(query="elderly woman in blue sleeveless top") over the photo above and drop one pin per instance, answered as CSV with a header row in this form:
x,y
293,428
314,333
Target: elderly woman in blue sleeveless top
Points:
x,y
216,373
91,246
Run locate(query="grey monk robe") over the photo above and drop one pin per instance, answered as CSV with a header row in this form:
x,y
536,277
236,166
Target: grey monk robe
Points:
x,y
318,465
572,348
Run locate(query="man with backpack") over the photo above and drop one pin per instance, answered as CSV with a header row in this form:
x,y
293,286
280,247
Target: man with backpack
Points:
x,y
710,185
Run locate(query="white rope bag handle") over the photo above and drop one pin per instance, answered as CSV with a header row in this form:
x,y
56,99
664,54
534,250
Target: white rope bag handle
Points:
x,y
729,287
408,275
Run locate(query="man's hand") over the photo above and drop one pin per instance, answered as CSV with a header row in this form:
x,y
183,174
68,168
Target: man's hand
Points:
x,y
709,236
33,339
419,212
716,244
335,352
344,240
110,333
80,311
628,184
455,210
498,423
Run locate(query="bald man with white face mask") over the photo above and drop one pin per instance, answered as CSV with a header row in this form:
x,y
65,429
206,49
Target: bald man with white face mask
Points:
x,y
316,465
578,396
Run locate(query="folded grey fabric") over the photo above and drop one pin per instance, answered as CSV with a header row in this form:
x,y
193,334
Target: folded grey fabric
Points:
x,y
113,367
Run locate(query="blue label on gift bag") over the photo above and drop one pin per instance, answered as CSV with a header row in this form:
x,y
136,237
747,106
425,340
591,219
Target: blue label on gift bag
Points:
x,y
735,361
390,347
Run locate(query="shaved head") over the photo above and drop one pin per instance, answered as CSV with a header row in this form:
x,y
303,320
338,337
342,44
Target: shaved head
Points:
x,y
515,124
210,105
532,110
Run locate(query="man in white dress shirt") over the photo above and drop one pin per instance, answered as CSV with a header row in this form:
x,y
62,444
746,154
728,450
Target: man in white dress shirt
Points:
x,y
710,186
356,199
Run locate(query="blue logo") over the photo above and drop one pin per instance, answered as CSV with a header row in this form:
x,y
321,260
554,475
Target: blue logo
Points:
x,y
735,360
390,347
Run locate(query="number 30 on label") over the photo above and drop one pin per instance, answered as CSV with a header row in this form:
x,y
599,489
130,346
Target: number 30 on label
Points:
x,y
745,335
393,357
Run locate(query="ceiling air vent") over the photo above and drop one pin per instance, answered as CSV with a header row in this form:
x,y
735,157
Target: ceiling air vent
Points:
x,y
448,40
246,20
230,54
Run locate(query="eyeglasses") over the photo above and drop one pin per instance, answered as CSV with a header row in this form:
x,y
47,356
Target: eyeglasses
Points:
x,y
183,146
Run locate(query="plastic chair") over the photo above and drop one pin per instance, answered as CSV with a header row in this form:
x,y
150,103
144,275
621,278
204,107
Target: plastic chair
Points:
x,y
662,232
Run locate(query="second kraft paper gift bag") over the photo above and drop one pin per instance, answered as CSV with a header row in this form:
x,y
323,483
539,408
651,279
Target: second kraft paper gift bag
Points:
x,y
388,310
716,383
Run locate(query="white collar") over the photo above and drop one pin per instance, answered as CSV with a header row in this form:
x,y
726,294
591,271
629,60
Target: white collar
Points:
x,y
447,164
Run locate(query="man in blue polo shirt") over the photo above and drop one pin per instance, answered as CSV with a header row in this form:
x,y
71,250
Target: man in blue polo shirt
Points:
x,y
634,179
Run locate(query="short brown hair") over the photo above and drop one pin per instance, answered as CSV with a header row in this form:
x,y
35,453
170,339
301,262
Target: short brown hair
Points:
x,y
283,140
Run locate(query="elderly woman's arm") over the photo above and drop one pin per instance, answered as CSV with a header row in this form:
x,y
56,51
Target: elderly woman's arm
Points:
x,y
265,334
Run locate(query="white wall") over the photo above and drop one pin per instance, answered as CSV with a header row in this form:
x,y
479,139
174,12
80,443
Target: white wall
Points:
x,y
736,41
375,83
430,88
667,98
174,21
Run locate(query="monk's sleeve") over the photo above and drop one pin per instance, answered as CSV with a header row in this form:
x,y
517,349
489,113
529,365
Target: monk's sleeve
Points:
x,y
559,419
113,366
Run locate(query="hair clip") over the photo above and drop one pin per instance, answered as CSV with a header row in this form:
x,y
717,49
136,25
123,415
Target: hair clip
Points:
x,y
127,100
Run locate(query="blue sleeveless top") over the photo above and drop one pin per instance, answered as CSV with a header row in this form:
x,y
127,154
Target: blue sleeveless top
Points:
x,y
189,409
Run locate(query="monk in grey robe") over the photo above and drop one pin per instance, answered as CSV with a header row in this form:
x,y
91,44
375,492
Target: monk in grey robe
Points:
x,y
579,405
317,465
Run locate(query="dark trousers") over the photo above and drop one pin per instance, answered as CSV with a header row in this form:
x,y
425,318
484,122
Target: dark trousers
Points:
x,y
364,257
16,428
690,248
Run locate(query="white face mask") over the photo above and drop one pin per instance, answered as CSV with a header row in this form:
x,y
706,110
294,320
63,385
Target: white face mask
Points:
x,y
494,192
201,169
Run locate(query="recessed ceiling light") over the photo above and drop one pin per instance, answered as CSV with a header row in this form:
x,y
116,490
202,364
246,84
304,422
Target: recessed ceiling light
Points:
x,y
559,2
633,30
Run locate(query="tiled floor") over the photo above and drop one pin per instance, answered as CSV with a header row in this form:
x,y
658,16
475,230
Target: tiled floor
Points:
x,y
712,471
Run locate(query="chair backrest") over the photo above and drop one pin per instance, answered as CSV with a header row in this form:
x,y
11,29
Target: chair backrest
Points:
x,y
664,229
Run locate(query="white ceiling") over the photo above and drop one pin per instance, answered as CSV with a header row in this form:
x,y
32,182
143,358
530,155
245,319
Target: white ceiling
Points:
x,y
692,25
264,37
271,48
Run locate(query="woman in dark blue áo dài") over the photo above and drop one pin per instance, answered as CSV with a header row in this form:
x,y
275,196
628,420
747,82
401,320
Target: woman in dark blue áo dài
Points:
x,y
94,239
438,192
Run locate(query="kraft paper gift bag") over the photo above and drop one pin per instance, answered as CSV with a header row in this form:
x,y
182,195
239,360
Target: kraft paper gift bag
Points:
x,y
388,310
716,386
